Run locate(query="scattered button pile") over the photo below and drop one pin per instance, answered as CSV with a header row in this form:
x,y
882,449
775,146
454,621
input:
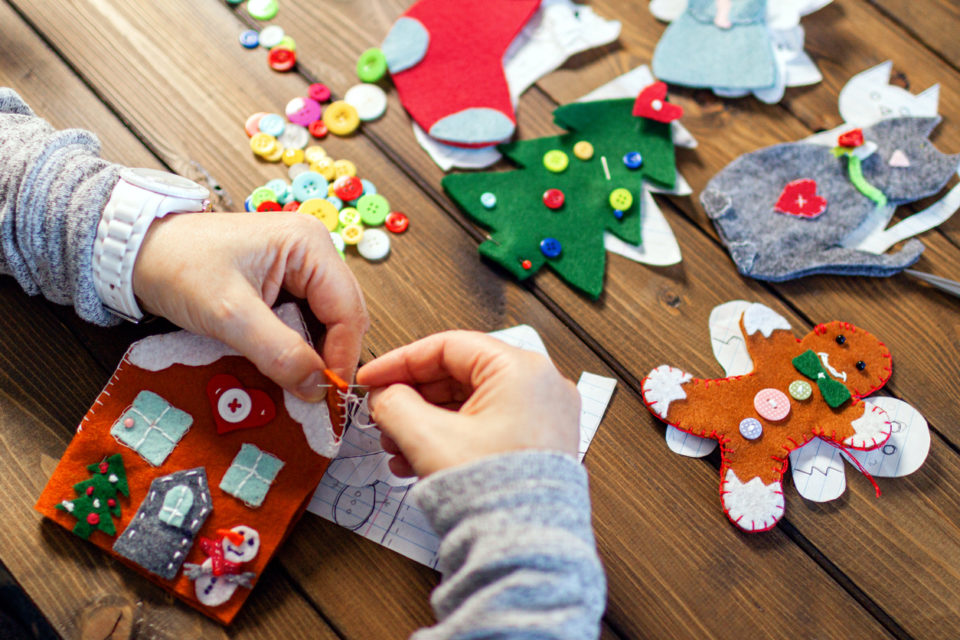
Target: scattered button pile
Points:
x,y
281,48
320,186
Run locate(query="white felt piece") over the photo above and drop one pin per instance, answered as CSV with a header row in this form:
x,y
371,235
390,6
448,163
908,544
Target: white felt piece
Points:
x,y
558,30
314,417
802,71
874,223
726,338
662,386
818,473
667,10
595,393
159,352
933,216
448,157
908,446
872,428
899,159
868,97
762,318
212,591
682,138
246,550
659,246
784,14
522,336
687,444
680,187
752,506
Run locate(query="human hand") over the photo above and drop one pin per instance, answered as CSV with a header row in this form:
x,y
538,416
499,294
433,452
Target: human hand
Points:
x,y
459,396
218,274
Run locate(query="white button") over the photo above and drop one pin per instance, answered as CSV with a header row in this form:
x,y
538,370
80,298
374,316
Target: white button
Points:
x,y
271,36
294,137
375,245
234,405
297,169
338,241
368,99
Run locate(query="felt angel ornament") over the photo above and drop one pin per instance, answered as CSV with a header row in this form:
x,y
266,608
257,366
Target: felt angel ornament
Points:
x,y
787,401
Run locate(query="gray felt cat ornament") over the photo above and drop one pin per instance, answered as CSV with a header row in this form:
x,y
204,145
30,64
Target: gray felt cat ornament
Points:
x,y
798,209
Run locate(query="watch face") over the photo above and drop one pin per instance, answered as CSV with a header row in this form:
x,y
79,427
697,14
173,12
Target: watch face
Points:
x,y
168,184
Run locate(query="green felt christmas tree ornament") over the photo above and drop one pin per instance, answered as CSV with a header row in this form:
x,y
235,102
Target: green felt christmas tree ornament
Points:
x,y
96,504
569,189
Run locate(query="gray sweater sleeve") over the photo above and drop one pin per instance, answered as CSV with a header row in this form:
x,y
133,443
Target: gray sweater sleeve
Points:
x,y
517,556
53,188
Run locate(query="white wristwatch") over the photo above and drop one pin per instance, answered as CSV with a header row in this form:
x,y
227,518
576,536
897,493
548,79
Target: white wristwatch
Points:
x,y
140,197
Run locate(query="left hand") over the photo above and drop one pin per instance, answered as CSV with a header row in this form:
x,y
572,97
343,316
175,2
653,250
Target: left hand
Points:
x,y
218,274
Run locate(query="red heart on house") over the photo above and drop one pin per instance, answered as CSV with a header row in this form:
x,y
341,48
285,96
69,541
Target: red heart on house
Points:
x,y
652,104
851,139
236,407
799,198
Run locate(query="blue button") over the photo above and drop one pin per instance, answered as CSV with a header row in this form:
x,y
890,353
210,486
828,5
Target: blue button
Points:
x,y
279,186
488,200
550,247
248,204
369,189
272,124
335,201
250,39
751,429
633,160
309,184
618,214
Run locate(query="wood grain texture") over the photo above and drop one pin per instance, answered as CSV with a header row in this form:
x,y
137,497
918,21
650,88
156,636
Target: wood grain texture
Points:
x,y
933,23
675,567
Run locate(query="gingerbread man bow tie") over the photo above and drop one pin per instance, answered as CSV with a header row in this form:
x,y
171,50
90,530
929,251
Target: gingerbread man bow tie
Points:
x,y
834,392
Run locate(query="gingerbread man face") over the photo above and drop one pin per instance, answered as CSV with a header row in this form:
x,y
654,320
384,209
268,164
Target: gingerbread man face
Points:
x,y
791,392
854,356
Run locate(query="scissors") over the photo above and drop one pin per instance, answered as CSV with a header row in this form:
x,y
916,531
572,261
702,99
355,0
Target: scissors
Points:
x,y
944,284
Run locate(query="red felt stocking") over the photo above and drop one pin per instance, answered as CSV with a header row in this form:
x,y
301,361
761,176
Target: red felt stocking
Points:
x,y
446,58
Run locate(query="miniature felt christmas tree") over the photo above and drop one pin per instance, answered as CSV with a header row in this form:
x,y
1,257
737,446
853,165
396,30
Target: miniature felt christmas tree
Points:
x,y
96,498
571,188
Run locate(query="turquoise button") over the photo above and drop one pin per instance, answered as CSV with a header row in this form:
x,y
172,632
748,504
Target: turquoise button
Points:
x,y
272,124
308,185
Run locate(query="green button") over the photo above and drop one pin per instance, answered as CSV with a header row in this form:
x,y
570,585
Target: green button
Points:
x,y
263,9
621,199
800,389
349,216
286,42
261,195
556,161
372,65
373,209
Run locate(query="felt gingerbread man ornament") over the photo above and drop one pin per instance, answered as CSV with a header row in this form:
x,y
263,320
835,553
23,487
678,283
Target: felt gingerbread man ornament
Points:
x,y
794,391
446,60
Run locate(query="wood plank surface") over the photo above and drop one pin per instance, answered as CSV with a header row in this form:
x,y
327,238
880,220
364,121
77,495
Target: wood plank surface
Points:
x,y
675,567
933,23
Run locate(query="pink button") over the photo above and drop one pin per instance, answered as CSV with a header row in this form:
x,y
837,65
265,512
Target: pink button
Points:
x,y
772,404
303,111
128,423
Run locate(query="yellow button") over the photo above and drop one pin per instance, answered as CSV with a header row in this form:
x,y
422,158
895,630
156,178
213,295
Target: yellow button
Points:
x,y
322,210
263,144
352,234
583,150
324,166
350,217
331,192
341,118
314,153
292,156
621,199
555,161
277,154
343,168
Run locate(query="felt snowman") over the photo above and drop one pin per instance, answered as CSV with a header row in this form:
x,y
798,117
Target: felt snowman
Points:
x,y
218,577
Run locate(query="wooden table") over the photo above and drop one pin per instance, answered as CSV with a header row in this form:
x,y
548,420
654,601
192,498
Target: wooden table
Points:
x,y
166,85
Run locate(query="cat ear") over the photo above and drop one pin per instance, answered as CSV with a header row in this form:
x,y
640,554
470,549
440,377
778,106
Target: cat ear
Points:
x,y
927,125
928,102
874,76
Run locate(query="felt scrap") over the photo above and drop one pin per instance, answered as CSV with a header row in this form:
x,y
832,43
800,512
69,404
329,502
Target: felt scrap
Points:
x,y
520,221
161,533
237,407
96,498
177,367
769,246
217,579
152,427
833,391
799,198
250,474
752,469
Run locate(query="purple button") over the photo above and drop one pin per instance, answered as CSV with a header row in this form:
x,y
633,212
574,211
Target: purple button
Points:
x,y
303,111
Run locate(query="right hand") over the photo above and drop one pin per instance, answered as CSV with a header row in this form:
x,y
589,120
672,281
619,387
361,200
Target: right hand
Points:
x,y
460,396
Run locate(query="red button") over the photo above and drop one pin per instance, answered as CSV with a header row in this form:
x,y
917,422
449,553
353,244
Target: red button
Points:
x,y
93,519
348,188
281,59
318,129
268,205
553,198
397,222
527,265
293,205
319,92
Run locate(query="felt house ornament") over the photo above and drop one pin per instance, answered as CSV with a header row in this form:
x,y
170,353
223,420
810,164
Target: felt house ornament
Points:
x,y
787,401
569,189
194,455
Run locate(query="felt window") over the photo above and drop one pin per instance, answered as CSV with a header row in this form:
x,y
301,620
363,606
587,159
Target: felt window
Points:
x,y
152,427
176,504
250,475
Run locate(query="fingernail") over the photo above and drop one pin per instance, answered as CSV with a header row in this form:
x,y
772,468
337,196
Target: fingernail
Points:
x,y
312,387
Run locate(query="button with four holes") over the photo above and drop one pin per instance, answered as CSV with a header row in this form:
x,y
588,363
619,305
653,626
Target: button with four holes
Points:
x,y
621,199
550,247
281,59
374,245
321,210
272,124
556,161
341,118
373,209
372,65
303,111
553,198
348,188
309,185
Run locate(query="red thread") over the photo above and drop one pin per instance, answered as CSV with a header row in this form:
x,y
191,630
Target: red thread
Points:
x,y
856,462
